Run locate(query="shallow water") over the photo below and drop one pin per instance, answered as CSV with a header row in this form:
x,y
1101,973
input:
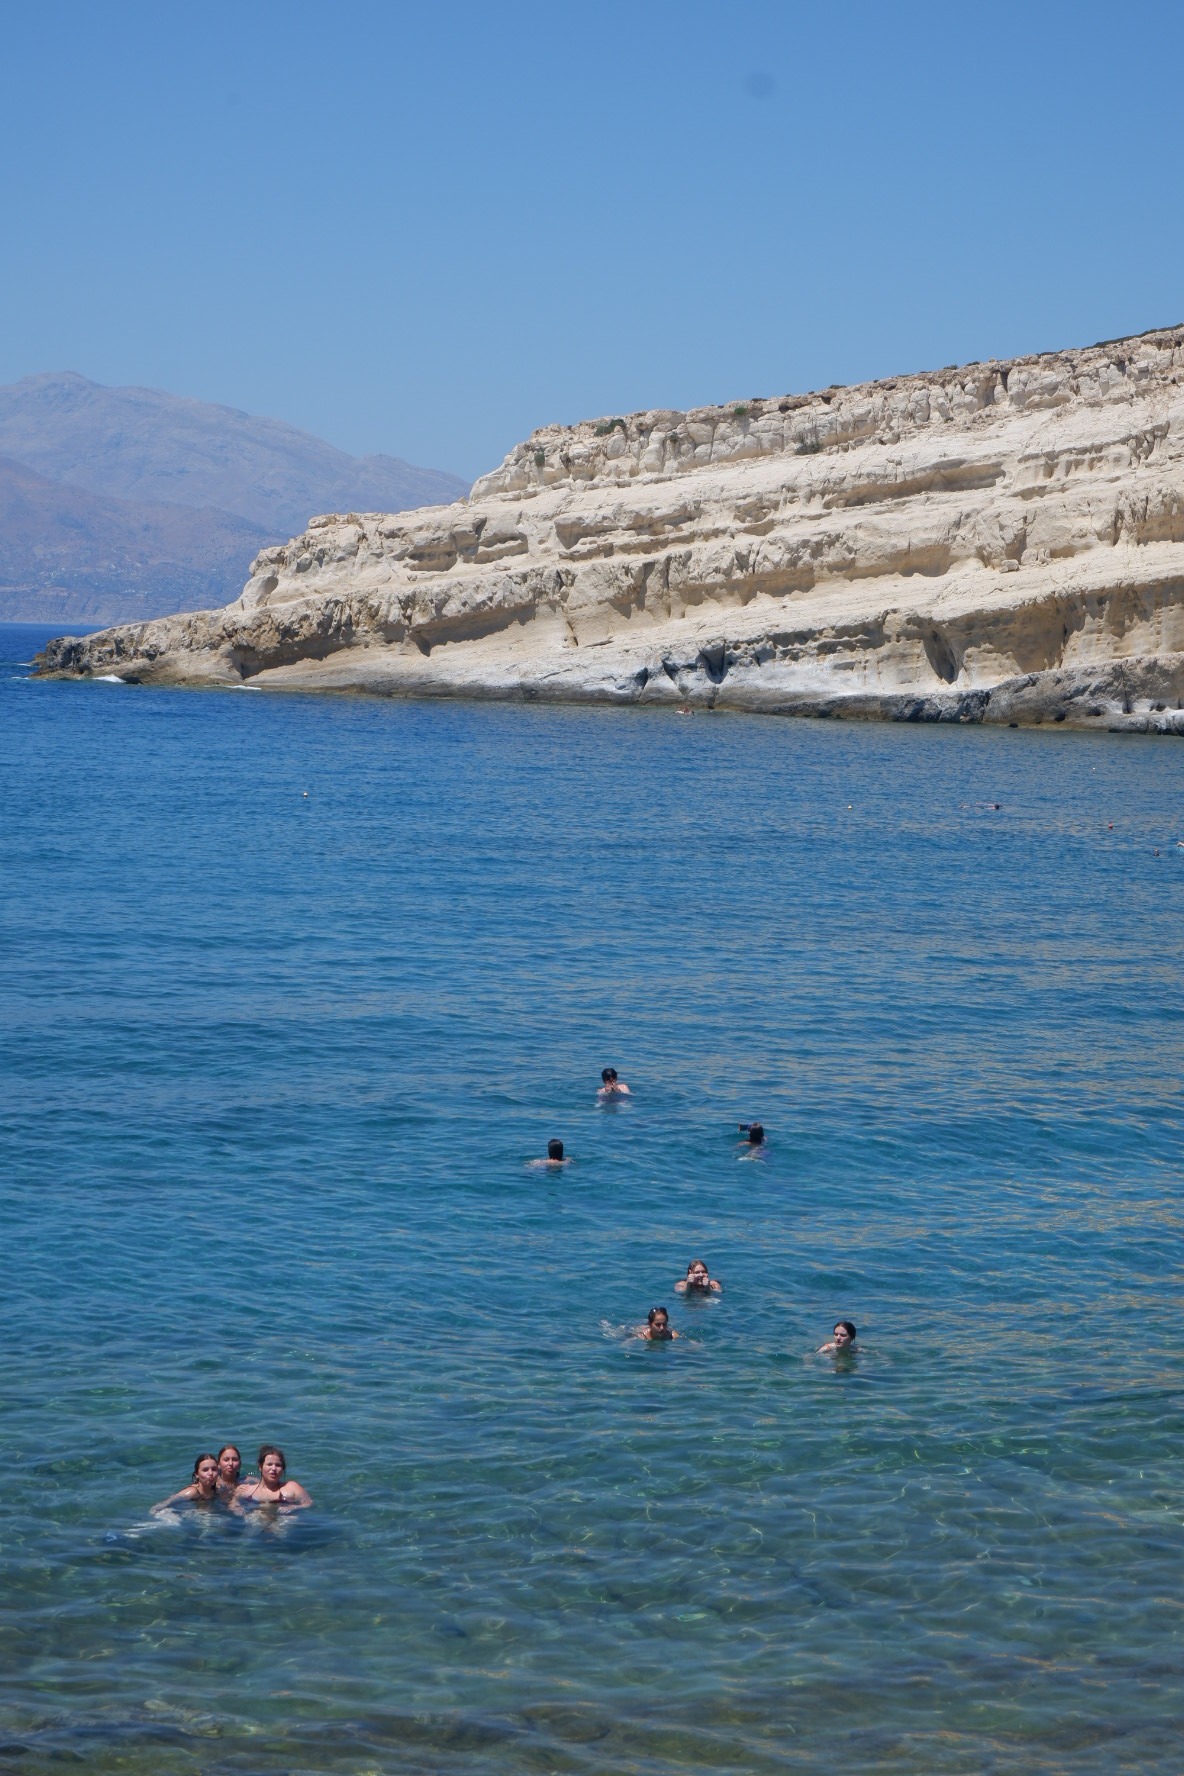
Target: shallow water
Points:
x,y
273,1063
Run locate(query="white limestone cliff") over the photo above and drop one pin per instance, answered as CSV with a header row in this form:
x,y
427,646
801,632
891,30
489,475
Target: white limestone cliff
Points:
x,y
1001,542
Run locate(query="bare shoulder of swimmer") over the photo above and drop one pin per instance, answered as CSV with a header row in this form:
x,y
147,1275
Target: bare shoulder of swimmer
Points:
x,y
186,1492
295,1494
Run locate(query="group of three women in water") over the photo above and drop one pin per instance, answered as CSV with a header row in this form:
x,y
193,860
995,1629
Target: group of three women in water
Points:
x,y
699,1281
216,1480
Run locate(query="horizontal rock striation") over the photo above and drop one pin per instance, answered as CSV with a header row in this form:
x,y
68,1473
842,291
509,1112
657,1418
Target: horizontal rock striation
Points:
x,y
1001,542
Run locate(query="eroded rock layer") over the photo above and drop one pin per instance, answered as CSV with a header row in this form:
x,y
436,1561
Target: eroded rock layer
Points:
x,y
1002,542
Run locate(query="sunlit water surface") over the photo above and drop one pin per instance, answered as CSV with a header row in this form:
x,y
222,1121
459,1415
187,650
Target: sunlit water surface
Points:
x,y
292,988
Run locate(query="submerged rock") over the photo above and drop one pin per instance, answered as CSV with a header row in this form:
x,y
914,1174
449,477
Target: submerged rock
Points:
x,y
1002,542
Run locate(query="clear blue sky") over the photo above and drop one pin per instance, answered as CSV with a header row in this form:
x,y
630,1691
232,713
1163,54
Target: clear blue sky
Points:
x,y
428,229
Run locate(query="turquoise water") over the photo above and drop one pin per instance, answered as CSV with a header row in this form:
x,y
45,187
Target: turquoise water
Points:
x,y
273,1066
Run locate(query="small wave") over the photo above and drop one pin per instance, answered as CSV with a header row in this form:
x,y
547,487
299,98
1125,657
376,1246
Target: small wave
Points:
x,y
107,678
246,687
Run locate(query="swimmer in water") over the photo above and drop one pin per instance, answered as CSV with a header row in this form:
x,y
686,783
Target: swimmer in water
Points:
x,y
698,1280
271,1488
754,1139
657,1326
843,1340
611,1086
204,1487
554,1156
230,1467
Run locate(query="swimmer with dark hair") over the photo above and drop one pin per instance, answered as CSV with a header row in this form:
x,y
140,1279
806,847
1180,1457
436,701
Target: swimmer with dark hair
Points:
x,y
230,1467
698,1280
271,1488
843,1340
203,1489
753,1144
555,1156
611,1086
657,1326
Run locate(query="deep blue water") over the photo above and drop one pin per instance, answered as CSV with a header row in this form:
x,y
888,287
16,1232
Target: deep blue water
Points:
x,y
273,1063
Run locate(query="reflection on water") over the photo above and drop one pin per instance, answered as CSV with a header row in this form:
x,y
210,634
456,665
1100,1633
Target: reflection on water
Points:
x,y
272,1065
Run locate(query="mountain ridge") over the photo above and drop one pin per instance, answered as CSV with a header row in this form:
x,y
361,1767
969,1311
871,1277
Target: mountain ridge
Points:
x,y
130,442
68,554
129,462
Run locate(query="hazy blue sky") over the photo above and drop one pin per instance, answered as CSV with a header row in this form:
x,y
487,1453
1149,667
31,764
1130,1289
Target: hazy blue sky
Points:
x,y
428,229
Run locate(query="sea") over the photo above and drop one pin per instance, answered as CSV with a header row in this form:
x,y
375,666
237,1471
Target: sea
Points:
x,y
293,989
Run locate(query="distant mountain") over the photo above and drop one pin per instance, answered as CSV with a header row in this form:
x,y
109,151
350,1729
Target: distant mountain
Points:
x,y
161,502
68,555
143,444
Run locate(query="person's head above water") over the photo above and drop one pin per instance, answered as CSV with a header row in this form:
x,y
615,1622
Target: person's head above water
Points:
x,y
205,1472
230,1462
658,1319
554,1149
608,1075
756,1134
203,1486
272,1487
698,1280
271,1456
844,1333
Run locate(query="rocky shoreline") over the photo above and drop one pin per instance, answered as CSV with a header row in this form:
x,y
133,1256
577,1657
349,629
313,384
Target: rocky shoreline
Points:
x,y
998,543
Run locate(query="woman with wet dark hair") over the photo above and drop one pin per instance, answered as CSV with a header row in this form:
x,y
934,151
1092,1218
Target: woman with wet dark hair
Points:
x,y
271,1488
202,1490
843,1339
657,1326
555,1155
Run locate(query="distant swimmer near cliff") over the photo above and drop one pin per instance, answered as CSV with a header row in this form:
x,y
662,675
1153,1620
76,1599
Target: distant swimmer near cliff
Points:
x,y
271,1488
